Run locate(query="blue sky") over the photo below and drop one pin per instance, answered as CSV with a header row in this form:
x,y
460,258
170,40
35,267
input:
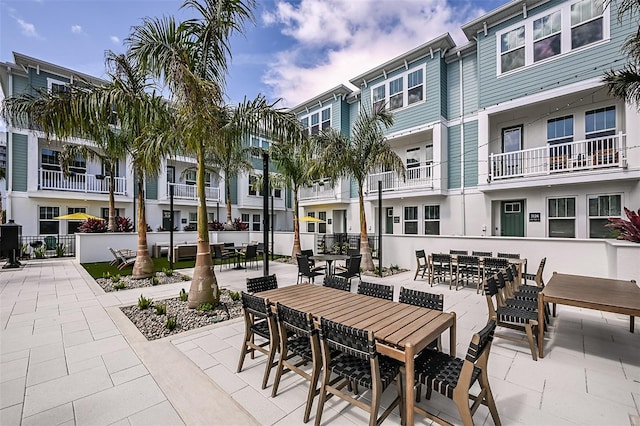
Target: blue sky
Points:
x,y
296,49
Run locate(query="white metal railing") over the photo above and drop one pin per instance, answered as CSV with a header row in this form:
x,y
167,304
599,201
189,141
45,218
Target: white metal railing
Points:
x,y
189,192
597,153
417,177
318,192
80,182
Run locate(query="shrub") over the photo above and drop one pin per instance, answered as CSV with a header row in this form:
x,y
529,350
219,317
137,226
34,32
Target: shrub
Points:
x,y
143,302
168,272
161,309
106,274
239,225
186,278
119,285
171,323
184,296
155,280
123,224
234,295
216,225
115,278
61,249
189,228
627,229
205,307
92,226
40,251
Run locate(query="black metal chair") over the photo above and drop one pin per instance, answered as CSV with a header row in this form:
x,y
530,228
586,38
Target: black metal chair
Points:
x,y
259,320
340,283
482,253
298,339
425,300
312,262
468,268
350,353
353,270
441,268
250,255
304,270
220,255
380,291
258,284
453,377
423,265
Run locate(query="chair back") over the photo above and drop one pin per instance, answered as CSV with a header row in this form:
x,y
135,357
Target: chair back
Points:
x,y
538,278
337,282
468,260
298,322
441,258
307,253
354,265
420,254
258,284
303,265
422,298
464,252
494,264
255,305
509,255
482,253
217,251
481,343
491,290
352,341
380,291
252,251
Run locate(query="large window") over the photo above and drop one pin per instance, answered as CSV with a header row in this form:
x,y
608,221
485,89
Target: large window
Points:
x,y
562,217
411,220
311,226
244,217
50,159
554,32
255,223
47,224
104,213
413,163
252,186
314,122
190,177
322,226
73,225
57,86
559,131
395,94
326,119
600,122
432,220
171,174
193,220
601,208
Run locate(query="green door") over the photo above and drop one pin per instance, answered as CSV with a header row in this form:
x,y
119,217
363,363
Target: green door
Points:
x,y
512,218
388,226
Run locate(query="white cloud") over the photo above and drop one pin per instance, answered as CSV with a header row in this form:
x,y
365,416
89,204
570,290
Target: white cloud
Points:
x,y
28,29
335,40
76,29
114,39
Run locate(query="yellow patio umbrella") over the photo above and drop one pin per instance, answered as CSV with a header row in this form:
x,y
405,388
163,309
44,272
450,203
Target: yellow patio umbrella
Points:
x,y
78,216
310,219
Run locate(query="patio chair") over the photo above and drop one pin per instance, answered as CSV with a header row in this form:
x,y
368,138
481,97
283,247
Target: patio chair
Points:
x,y
250,255
350,353
482,253
353,270
222,256
537,278
258,284
312,262
298,339
469,269
507,280
456,252
441,268
339,283
453,377
493,265
509,255
258,320
51,242
423,266
425,300
304,270
380,291
510,317
122,258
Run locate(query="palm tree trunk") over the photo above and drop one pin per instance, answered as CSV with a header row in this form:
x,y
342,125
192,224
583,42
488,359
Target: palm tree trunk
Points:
x,y
204,286
143,267
365,251
227,191
296,226
112,199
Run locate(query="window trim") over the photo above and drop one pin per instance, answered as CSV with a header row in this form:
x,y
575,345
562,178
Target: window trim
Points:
x,y
52,81
588,214
320,123
405,220
607,131
405,89
565,218
424,231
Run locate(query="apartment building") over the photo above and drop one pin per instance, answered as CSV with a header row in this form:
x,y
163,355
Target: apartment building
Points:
x,y
38,191
511,134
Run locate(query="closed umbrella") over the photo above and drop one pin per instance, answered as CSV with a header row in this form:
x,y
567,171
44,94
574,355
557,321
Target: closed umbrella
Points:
x,y
78,216
310,219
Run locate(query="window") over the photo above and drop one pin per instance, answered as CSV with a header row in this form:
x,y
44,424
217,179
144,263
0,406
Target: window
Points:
x,y
512,139
256,222
432,220
601,208
562,217
413,163
244,217
78,165
193,219
311,226
552,33
171,174
57,86
326,118
73,225
305,124
319,121
47,224
106,166
394,94
586,22
50,159
315,128
559,132
190,177
322,226
546,36
104,213
512,49
411,220
415,86
277,192
600,122
252,188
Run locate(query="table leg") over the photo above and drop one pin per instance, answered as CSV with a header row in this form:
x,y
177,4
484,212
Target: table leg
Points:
x,y
540,325
409,389
329,262
632,321
452,335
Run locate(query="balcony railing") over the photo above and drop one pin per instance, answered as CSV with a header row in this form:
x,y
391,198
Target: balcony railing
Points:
x,y
417,177
597,153
80,182
189,192
318,192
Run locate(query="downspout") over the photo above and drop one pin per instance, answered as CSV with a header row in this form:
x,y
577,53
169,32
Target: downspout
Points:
x,y
462,165
9,170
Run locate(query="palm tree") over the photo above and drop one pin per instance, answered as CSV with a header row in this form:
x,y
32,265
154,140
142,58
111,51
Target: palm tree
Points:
x,y
3,175
191,58
364,152
294,160
625,83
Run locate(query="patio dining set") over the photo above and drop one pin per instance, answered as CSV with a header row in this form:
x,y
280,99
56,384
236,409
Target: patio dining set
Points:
x,y
309,269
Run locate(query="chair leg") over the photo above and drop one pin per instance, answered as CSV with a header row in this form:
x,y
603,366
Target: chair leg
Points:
x,y
491,403
315,375
532,345
279,370
375,406
462,402
323,393
243,352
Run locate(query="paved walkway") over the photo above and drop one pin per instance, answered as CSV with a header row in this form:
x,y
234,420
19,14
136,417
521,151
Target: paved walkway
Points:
x,y
69,356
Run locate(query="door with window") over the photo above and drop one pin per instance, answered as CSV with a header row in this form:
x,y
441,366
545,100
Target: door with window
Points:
x,y
510,164
388,224
512,218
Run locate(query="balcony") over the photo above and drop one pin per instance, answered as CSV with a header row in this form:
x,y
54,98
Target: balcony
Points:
x,y
188,192
417,178
80,182
559,159
318,192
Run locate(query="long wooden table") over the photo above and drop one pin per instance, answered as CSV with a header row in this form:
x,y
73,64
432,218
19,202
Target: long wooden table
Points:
x,y
602,294
401,330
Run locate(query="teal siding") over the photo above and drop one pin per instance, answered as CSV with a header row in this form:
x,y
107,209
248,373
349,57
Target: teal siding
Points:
x,y
233,189
20,85
564,70
471,154
453,158
353,115
19,165
39,80
444,88
470,80
151,188
453,94
344,117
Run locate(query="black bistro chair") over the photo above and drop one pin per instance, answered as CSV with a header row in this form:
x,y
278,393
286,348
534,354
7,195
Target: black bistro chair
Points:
x,y
250,255
353,270
304,270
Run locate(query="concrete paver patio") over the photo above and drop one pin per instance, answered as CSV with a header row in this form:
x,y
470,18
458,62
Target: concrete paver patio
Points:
x,y
69,356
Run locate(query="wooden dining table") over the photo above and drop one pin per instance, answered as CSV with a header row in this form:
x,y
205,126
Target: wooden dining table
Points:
x,y
602,294
401,330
